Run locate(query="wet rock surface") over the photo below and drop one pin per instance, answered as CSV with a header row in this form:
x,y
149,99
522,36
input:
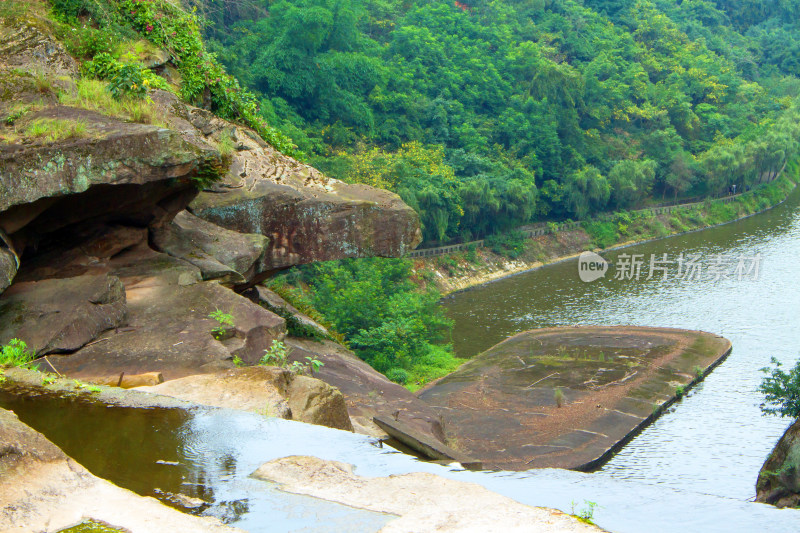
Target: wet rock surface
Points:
x,y
421,501
779,479
503,405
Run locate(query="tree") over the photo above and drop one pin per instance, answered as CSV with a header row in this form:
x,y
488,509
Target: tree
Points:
x,y
585,191
631,181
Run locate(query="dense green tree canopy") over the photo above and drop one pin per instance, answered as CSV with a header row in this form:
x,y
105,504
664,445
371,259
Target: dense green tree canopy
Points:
x,y
489,114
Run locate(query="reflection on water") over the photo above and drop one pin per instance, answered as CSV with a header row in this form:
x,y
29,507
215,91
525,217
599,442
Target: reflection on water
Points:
x,y
716,439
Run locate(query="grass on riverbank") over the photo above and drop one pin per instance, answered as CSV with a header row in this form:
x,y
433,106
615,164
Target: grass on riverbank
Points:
x,y
619,228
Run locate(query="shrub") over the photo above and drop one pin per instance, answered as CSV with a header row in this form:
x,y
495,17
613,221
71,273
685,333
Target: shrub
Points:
x,y
603,234
398,375
511,244
781,390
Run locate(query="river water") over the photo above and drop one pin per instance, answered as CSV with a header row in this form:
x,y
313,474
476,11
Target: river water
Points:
x,y
694,469
715,440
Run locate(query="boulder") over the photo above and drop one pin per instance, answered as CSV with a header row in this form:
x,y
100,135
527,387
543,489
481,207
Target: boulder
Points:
x,y
44,490
367,392
61,315
779,479
315,402
27,44
265,390
219,253
8,268
306,216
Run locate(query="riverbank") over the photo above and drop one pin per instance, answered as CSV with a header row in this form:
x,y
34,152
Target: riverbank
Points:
x,y
472,267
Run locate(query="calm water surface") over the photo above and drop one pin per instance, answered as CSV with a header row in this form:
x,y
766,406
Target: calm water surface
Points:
x,y
714,441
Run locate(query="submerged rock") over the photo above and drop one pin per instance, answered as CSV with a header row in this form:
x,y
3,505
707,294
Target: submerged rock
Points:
x,y
779,479
421,501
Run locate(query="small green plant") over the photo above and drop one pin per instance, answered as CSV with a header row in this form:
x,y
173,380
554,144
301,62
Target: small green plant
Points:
x,y
224,321
314,364
586,513
16,113
679,391
237,361
48,379
698,371
276,355
558,396
656,408
15,353
93,388
2,376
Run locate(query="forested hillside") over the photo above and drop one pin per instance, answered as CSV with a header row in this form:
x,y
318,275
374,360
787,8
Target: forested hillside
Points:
x,y
484,115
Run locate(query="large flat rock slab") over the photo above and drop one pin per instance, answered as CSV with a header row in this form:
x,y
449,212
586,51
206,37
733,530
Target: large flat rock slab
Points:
x,y
168,328
421,501
503,405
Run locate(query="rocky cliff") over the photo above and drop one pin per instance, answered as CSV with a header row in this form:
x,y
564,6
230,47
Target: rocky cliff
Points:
x,y
125,224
